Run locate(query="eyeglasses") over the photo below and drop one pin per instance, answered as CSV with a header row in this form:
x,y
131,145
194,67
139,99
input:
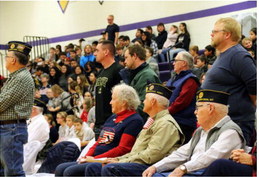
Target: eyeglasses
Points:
x,y
199,106
217,31
175,60
9,56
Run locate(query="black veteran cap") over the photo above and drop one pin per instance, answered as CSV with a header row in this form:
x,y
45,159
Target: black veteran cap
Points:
x,y
206,95
159,89
18,46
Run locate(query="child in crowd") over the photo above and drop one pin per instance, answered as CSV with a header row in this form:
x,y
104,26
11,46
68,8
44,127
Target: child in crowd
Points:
x,y
247,43
61,120
87,105
71,129
53,134
92,79
201,66
44,85
194,52
83,132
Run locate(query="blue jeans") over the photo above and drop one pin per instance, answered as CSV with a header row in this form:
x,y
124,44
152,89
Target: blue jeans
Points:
x,y
123,169
190,174
225,167
71,169
12,139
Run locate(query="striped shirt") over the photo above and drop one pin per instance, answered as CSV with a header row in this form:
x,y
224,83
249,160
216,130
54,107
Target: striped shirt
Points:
x,y
16,96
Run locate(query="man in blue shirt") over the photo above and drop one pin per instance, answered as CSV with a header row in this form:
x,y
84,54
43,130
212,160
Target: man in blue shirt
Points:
x,y
234,72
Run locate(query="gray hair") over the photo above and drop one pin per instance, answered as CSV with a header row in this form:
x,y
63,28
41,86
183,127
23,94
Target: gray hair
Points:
x,y
162,101
128,94
186,56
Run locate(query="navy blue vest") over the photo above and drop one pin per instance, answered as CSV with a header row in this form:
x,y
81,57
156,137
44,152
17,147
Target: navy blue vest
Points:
x,y
186,116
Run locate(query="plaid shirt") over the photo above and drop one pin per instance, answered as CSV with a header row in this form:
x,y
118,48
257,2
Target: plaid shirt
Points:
x,y
16,96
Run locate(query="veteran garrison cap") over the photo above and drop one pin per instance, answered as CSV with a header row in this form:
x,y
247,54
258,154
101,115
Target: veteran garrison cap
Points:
x,y
18,46
206,95
159,89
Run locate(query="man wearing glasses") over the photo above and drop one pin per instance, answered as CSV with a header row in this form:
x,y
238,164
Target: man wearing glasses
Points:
x,y
234,72
16,101
216,137
182,100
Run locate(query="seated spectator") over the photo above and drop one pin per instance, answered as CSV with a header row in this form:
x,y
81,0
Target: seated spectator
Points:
x,y
87,105
151,60
138,35
118,134
170,41
52,56
182,101
159,136
89,67
54,74
239,164
65,72
83,132
88,55
253,36
73,64
126,42
40,100
36,76
201,67
83,83
94,45
171,37
78,50
62,129
216,137
182,42
150,30
62,58
148,42
53,134
119,53
193,50
73,56
210,53
44,85
70,133
139,42
61,100
76,99
38,135
92,79
77,71
162,35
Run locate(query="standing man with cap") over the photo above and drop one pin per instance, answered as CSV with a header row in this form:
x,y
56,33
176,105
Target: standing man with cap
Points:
x,y
216,137
160,136
16,101
234,72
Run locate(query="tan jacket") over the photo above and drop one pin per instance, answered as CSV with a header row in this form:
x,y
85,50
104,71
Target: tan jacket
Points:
x,y
156,142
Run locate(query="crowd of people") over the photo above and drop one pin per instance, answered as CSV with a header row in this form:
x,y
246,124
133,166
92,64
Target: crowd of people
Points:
x,y
107,97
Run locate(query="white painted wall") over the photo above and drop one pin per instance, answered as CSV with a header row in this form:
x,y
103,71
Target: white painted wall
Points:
x,y
45,18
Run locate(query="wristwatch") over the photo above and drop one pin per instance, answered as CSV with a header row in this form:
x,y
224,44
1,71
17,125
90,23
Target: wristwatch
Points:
x,y
183,168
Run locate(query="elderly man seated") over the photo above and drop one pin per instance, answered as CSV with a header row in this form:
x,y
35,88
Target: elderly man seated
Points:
x,y
216,137
160,136
38,135
118,134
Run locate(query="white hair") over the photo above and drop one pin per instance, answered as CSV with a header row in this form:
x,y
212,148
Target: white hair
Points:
x,y
128,94
221,108
161,100
186,56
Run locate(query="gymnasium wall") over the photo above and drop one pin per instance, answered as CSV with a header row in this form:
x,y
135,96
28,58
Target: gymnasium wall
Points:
x,y
85,19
